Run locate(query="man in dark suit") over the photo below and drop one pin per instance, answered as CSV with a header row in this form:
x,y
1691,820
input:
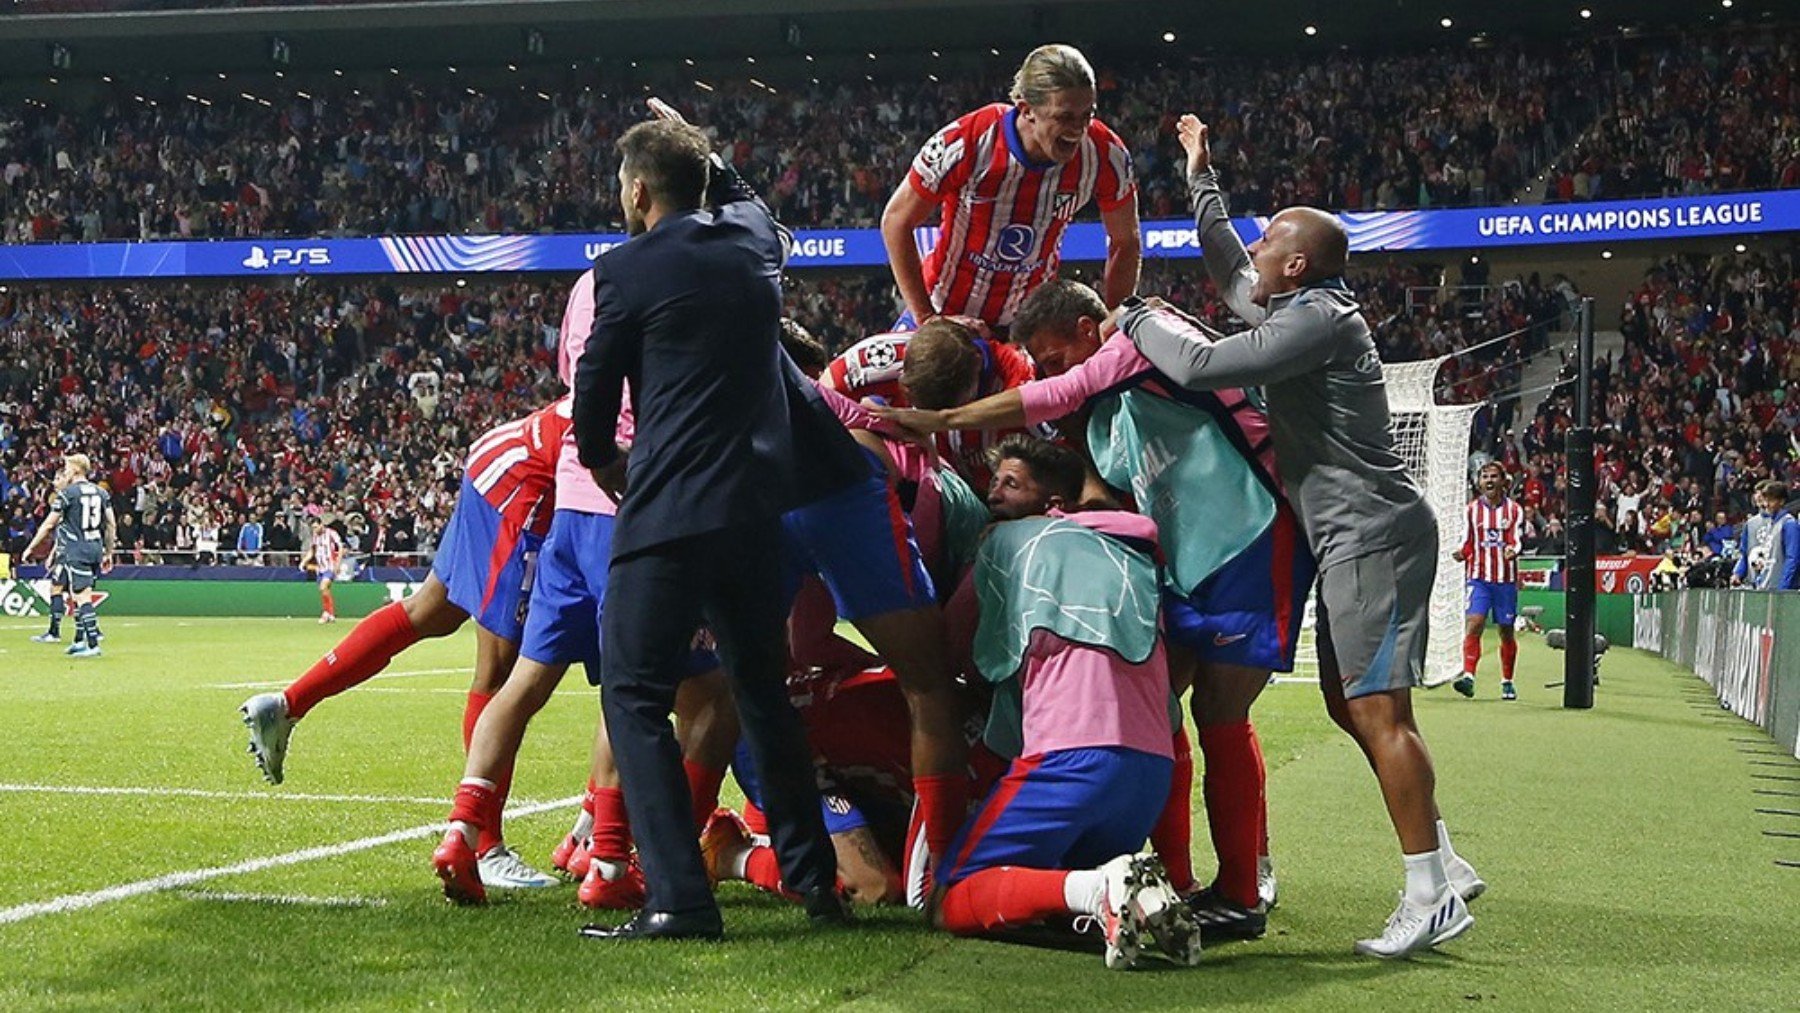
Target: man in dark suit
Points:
x,y
689,311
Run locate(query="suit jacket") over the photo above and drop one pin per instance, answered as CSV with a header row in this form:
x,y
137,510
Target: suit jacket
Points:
x,y
690,312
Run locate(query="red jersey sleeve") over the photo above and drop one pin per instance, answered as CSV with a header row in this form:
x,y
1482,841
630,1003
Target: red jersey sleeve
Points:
x,y
1012,367
943,165
1116,184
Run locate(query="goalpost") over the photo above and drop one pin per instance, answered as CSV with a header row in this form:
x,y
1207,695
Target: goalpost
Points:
x,y
1433,440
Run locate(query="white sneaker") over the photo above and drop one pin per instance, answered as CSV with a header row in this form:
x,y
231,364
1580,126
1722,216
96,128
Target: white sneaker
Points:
x,y
502,869
45,638
1118,916
1267,891
326,617
1463,879
1161,910
1419,926
266,715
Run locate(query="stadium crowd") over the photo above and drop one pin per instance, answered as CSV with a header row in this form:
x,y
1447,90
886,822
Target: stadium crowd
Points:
x,y
196,388
1696,411
1718,115
212,408
1345,130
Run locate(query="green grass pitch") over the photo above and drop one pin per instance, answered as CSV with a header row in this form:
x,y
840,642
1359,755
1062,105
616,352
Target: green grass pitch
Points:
x,y
1628,868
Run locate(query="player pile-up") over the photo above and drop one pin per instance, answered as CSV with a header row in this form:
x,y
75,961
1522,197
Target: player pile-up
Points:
x,y
1147,527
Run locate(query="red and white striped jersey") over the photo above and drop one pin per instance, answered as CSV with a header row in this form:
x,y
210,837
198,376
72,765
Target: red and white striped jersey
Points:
x,y
328,551
1003,216
871,368
513,466
1493,529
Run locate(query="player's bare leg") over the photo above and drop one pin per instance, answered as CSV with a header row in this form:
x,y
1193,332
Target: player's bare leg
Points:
x,y
369,647
911,642
1235,791
1439,882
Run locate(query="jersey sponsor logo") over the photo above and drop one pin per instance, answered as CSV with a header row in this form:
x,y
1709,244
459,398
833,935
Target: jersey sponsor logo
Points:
x,y
1015,243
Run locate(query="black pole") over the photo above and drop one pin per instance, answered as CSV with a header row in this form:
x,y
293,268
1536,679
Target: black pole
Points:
x,y
1578,568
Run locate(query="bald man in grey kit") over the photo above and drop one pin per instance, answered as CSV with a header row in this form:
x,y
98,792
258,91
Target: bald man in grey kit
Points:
x,y
1365,519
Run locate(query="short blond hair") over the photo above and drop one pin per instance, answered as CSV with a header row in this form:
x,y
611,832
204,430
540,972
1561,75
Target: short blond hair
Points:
x,y
1050,69
79,463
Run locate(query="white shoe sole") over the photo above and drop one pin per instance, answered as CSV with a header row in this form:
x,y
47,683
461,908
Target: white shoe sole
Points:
x,y
263,733
1172,926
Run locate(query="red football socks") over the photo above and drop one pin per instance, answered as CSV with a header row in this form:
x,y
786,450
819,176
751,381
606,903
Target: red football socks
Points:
x,y
474,804
326,600
373,643
754,818
703,788
1173,834
612,827
472,709
762,869
944,802
998,898
1233,786
1472,652
1509,653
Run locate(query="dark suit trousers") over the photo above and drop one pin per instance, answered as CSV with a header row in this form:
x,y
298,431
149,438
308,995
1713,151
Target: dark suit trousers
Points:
x,y
654,600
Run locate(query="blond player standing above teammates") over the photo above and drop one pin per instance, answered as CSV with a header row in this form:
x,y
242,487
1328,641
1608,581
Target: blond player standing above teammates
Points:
x,y
1009,179
1490,557
1368,524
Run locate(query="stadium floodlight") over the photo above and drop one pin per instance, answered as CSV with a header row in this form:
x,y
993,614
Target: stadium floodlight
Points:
x,y
1312,30
1168,36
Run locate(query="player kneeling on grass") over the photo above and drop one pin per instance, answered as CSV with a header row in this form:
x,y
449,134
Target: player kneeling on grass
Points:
x,y
1068,606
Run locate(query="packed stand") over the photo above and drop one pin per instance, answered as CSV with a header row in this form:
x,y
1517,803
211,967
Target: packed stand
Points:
x,y
211,408
1716,116
1346,131
1697,411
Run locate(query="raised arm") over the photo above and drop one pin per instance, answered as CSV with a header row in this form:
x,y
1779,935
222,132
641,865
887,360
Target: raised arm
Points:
x,y
1227,261
726,189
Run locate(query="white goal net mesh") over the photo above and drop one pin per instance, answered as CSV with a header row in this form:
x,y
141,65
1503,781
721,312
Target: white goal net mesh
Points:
x,y
1433,440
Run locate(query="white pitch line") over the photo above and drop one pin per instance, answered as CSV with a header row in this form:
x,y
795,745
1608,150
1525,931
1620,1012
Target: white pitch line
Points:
x,y
60,789
177,880
384,675
293,899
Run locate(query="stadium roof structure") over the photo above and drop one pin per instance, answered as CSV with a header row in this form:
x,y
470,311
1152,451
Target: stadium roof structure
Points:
x,y
183,36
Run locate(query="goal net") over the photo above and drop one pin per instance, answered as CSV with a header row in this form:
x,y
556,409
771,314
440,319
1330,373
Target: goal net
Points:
x,y
1433,440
